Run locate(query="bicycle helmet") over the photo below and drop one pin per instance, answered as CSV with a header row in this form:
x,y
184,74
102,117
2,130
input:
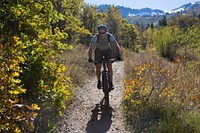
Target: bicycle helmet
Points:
x,y
102,27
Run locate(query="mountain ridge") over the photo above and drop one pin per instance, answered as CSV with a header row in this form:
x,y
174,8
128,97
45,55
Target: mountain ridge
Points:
x,y
185,7
127,12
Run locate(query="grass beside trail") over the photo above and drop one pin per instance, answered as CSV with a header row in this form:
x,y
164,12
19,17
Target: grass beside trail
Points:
x,y
160,96
77,61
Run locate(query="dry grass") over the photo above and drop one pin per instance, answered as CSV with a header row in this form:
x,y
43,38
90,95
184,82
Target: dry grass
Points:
x,y
76,60
160,96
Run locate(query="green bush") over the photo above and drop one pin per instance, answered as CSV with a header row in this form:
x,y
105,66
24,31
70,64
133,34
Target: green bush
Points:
x,y
166,41
35,85
16,113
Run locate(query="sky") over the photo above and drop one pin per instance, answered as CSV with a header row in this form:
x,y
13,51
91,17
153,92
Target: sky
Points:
x,y
165,5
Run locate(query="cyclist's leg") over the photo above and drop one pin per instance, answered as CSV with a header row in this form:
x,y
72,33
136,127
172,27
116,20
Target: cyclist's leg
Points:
x,y
109,65
98,74
98,71
108,56
98,57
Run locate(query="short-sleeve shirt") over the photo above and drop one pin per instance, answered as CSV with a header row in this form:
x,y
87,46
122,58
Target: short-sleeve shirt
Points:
x,y
103,43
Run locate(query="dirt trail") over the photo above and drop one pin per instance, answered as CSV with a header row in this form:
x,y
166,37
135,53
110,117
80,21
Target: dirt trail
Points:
x,y
89,116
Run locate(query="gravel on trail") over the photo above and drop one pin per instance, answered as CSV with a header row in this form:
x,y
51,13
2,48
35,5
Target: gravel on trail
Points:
x,y
88,115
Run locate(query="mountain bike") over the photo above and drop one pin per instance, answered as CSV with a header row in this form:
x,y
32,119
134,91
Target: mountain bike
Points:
x,y
106,86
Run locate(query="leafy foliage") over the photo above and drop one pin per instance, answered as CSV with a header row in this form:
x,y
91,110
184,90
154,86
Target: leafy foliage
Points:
x,y
182,21
165,39
148,38
33,78
158,94
14,110
131,37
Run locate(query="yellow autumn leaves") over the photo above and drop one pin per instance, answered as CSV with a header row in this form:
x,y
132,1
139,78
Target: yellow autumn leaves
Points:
x,y
154,82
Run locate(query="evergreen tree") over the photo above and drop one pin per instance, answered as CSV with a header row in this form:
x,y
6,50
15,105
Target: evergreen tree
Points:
x,y
152,26
163,22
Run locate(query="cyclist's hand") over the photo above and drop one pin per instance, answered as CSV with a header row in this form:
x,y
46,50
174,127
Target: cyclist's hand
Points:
x,y
90,60
119,57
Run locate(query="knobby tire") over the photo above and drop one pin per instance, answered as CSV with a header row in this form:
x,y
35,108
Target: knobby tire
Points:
x,y
106,88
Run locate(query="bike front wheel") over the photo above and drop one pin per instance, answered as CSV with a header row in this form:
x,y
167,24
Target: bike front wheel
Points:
x,y
106,86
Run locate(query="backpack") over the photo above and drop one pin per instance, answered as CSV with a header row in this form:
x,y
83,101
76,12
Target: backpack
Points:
x,y
108,37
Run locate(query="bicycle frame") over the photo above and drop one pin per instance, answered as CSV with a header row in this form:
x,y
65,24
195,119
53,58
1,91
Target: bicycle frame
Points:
x,y
105,82
105,79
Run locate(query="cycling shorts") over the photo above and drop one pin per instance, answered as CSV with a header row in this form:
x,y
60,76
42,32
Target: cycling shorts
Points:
x,y
108,54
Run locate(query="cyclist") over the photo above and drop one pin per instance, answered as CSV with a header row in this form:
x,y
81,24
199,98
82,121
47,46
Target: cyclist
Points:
x,y
101,45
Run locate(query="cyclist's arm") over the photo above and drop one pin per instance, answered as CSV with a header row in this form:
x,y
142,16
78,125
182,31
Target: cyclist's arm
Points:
x,y
115,44
90,50
118,47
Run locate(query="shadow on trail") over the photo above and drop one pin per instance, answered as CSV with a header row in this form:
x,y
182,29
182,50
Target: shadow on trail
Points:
x,y
100,121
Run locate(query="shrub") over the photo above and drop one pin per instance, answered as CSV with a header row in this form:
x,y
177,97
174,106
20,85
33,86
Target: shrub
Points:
x,y
16,114
32,39
31,80
158,94
166,42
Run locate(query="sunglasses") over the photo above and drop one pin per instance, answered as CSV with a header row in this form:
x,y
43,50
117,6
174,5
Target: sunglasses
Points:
x,y
102,32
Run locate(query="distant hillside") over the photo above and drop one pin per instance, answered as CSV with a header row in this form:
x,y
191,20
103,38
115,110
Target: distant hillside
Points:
x,y
128,12
195,8
148,15
144,20
186,7
183,7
